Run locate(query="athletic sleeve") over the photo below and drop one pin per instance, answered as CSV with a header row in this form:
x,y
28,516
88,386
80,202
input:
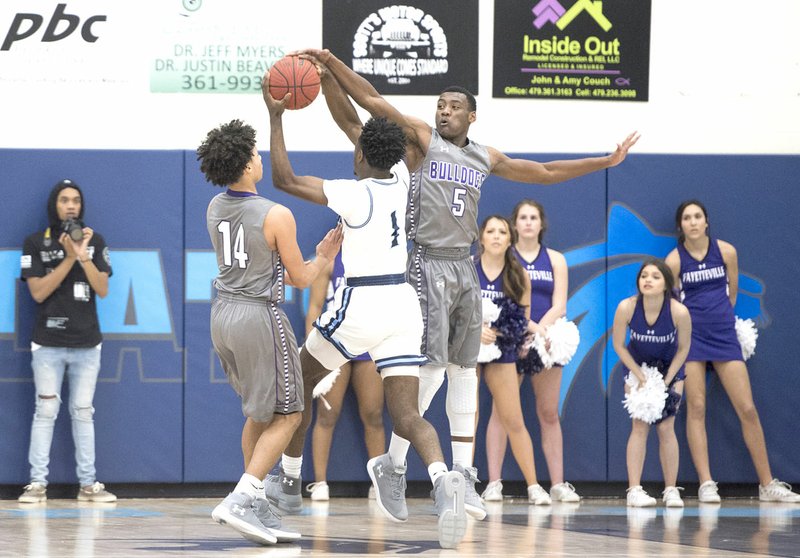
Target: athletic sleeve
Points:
x,y
30,262
101,258
350,199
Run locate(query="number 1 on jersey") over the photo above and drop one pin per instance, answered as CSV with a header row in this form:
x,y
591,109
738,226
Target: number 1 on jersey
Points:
x,y
239,253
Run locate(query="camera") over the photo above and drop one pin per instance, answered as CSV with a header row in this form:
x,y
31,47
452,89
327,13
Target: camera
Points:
x,y
73,228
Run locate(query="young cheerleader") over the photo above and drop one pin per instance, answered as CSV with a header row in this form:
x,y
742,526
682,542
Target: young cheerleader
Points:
x,y
504,281
548,274
660,333
708,272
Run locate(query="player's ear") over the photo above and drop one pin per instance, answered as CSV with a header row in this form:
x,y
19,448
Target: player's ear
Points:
x,y
473,116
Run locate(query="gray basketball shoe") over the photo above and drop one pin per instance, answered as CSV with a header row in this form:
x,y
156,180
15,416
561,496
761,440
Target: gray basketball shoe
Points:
x,y
448,497
390,487
272,521
236,510
284,492
472,502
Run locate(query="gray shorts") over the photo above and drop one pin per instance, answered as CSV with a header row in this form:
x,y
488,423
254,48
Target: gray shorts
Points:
x,y
258,351
450,297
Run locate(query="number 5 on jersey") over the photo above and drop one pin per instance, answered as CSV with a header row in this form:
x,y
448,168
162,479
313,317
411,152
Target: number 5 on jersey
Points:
x,y
458,205
237,249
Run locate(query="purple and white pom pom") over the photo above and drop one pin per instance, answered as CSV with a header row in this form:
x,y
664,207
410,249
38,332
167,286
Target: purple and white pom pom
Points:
x,y
747,334
489,352
489,310
564,339
325,385
646,402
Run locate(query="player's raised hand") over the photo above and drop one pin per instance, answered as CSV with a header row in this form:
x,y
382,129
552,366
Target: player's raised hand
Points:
x,y
622,149
274,106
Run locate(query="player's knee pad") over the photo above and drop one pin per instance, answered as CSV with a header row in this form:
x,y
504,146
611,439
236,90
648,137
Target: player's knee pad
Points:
x,y
47,407
462,399
430,380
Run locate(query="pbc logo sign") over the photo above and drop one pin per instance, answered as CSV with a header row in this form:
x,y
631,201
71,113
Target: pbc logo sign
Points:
x,y
26,25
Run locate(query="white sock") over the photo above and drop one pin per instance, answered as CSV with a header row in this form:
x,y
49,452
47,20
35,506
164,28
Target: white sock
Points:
x,y
398,449
251,486
292,466
462,453
436,470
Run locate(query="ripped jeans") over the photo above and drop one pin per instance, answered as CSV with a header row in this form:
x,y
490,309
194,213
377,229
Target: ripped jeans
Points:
x,y
82,366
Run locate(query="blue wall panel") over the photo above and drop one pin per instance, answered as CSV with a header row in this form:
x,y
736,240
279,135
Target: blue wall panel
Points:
x,y
165,412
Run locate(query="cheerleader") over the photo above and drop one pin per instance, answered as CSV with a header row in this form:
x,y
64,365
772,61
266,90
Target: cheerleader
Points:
x,y
707,269
504,281
660,333
547,270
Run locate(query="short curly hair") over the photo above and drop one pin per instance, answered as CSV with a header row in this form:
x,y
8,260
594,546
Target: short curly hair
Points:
x,y
382,142
226,152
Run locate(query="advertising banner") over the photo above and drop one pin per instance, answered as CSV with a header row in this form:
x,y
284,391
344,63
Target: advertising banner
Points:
x,y
417,48
572,49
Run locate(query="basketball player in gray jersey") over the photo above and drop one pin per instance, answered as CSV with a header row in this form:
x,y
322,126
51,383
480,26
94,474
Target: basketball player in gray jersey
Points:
x,y
257,255
448,174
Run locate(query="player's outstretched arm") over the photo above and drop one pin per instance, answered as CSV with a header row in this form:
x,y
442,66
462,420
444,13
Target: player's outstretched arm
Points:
x,y
283,177
342,110
367,97
553,172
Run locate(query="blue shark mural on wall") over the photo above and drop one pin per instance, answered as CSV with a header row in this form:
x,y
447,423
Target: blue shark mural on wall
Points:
x,y
592,305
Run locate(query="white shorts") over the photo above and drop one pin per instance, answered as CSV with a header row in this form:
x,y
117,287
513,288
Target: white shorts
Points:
x,y
384,321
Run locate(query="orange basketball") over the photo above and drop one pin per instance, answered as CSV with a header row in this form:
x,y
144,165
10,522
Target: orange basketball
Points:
x,y
292,74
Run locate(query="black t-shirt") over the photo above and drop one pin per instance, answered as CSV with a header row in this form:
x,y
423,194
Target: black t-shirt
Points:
x,y
68,317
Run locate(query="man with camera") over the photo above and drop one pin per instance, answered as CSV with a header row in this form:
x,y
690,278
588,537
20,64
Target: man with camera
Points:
x,y
65,267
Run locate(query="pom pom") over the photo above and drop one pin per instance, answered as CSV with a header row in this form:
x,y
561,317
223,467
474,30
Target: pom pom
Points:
x,y
530,362
558,345
489,310
489,352
747,334
564,339
511,326
646,402
671,404
324,386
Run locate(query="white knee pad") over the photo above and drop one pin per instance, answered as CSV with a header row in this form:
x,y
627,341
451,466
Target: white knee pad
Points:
x,y
430,380
462,400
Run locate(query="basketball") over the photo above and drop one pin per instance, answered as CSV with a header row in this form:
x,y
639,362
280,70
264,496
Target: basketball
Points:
x,y
292,74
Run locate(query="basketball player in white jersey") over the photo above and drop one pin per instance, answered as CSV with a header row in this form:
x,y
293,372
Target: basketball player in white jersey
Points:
x,y
448,170
377,311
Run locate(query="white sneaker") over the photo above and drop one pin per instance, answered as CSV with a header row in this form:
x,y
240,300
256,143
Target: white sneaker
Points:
x,y
538,496
777,491
672,497
708,493
96,493
564,492
319,491
33,493
638,498
493,492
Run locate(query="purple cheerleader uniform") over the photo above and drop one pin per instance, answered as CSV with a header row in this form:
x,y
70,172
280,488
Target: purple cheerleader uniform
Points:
x,y
540,271
704,291
336,282
655,345
493,290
